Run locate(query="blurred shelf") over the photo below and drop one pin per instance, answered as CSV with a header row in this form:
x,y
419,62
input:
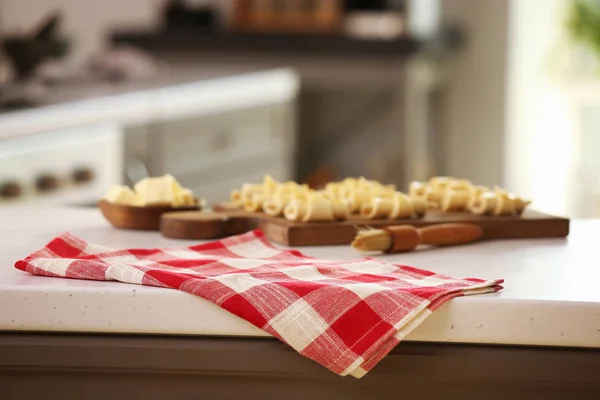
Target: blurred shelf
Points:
x,y
337,45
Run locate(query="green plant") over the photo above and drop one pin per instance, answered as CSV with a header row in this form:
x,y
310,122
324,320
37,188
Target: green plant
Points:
x,y
583,23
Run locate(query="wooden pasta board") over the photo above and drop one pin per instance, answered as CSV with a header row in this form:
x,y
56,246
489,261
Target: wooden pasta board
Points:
x,y
201,225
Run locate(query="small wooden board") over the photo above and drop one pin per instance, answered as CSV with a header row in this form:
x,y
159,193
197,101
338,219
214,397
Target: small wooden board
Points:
x,y
199,225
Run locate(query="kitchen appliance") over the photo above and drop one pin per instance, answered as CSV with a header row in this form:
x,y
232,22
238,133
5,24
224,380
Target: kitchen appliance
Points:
x,y
40,72
68,167
115,70
26,53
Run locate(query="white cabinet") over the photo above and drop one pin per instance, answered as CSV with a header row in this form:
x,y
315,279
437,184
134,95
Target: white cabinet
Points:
x,y
208,142
71,166
213,154
213,134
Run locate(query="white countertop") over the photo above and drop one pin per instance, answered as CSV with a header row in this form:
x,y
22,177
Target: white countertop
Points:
x,y
187,93
551,295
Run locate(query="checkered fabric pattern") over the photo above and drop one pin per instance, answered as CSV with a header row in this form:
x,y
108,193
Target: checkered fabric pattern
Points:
x,y
345,315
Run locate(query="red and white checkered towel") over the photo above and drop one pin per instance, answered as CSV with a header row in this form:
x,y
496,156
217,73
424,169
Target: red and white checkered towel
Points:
x,y
345,315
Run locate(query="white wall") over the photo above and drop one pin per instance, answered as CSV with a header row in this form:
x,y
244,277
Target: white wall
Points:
x,y
473,120
539,138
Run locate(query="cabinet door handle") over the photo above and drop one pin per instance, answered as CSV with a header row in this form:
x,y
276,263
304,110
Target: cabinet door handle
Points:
x,y
220,141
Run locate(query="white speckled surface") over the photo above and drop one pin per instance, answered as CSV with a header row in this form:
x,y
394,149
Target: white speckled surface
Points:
x,y
551,294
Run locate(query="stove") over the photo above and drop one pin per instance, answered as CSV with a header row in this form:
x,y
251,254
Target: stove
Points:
x,y
69,167
61,82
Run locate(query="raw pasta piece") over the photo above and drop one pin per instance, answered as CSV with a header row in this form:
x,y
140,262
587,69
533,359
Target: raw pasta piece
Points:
x,y
340,208
255,203
455,200
417,188
298,202
378,207
295,210
364,182
321,193
434,193
474,193
275,205
402,207
356,198
296,195
348,184
441,182
433,205
350,181
333,190
460,184
282,190
292,189
236,196
270,185
505,204
249,190
384,191
420,205
485,204
318,208
519,204
375,188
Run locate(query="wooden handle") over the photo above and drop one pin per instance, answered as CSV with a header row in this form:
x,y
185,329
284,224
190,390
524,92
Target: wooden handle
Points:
x,y
450,234
407,237
404,238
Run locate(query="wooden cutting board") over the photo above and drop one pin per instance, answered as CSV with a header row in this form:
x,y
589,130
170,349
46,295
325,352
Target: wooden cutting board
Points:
x,y
201,225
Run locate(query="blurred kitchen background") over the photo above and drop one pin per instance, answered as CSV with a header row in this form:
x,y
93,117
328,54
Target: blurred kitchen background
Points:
x,y
219,93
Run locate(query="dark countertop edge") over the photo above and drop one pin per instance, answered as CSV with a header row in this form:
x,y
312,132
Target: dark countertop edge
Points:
x,y
270,357
336,45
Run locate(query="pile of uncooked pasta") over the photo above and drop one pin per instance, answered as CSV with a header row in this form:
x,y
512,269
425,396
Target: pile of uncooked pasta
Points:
x,y
371,199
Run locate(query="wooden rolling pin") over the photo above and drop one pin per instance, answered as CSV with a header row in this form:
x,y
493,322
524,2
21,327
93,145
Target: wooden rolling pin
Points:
x,y
395,239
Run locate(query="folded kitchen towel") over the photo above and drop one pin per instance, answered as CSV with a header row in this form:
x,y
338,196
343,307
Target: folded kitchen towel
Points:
x,y
345,315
